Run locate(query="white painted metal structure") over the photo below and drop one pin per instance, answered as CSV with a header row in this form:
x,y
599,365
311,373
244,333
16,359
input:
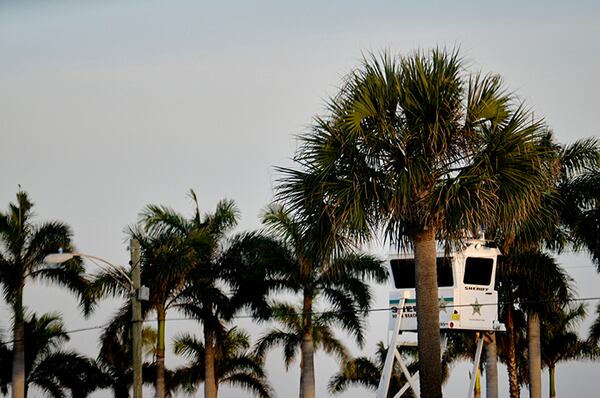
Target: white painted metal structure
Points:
x,y
468,301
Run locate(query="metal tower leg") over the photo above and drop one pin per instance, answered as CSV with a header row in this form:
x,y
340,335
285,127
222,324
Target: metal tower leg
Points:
x,y
476,362
393,354
384,381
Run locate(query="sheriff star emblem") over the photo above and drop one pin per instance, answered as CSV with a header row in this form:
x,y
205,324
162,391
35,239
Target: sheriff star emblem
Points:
x,y
476,307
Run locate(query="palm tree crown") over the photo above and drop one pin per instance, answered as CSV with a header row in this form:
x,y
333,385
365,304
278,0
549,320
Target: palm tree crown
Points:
x,y
179,266
290,334
52,369
235,364
319,263
23,246
424,150
560,341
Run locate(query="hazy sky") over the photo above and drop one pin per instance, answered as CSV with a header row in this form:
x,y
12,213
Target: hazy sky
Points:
x,y
107,106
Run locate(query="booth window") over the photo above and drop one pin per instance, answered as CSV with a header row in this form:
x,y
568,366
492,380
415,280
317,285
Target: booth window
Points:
x,y
444,272
403,271
478,271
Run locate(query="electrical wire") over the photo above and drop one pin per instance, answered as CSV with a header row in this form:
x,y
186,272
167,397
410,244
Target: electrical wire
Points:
x,y
377,309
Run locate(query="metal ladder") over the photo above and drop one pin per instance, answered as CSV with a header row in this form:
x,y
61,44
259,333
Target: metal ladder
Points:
x,y
393,354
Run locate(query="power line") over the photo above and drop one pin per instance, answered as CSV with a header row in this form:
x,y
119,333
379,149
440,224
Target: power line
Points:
x,y
377,309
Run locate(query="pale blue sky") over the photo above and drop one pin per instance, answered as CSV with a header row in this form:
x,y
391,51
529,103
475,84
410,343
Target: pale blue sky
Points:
x,y
106,106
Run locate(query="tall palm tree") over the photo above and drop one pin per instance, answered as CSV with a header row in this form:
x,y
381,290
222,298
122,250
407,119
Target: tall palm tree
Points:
x,y
320,267
508,344
178,266
366,372
425,150
23,246
551,284
542,288
290,336
560,342
53,369
235,364
491,365
163,270
580,188
581,214
527,266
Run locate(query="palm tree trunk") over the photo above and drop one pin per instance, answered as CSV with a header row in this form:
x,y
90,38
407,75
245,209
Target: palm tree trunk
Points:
x,y
307,377
511,365
160,354
552,389
18,370
210,380
428,314
535,355
491,366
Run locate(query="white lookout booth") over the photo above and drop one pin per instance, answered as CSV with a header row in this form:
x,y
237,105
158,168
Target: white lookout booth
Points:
x,y
467,299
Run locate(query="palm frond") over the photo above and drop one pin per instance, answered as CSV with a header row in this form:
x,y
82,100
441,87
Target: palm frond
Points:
x,y
255,385
287,339
595,328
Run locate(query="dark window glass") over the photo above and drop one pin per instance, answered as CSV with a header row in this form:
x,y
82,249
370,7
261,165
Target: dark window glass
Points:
x,y
478,271
403,271
444,272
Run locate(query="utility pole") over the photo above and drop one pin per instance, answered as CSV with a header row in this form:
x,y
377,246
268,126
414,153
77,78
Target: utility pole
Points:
x,y
136,318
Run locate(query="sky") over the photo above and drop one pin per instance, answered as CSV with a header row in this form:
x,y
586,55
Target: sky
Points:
x,y
107,106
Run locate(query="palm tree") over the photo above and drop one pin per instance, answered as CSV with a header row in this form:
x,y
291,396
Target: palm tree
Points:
x,y
52,369
178,266
291,335
23,246
366,372
424,150
527,267
516,324
560,341
542,288
491,365
235,364
581,192
164,271
580,188
551,286
318,266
